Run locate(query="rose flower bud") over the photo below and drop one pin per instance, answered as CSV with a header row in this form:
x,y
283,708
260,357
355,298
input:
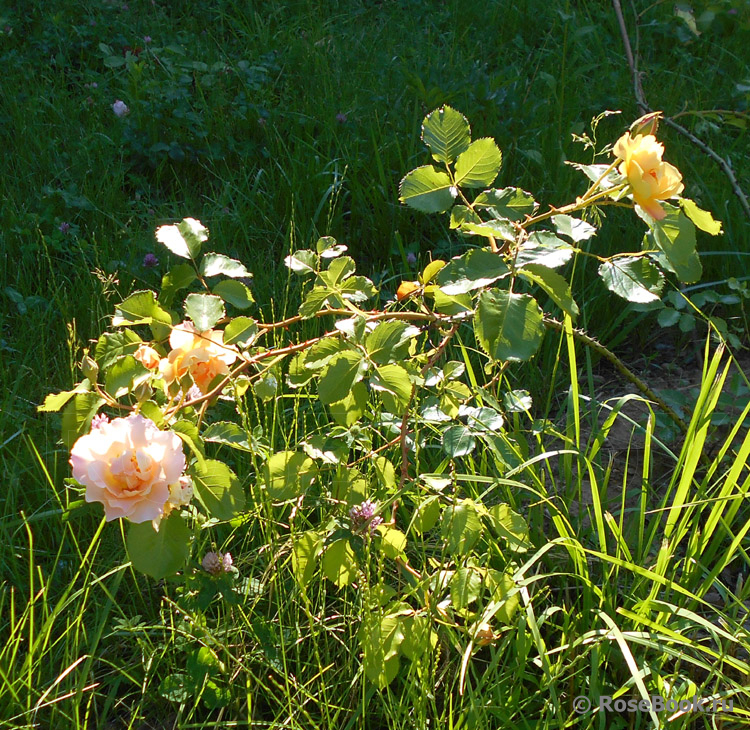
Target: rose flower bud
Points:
x,y
128,465
147,356
406,289
650,179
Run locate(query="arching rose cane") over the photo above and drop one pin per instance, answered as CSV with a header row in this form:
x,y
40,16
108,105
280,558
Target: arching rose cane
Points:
x,y
130,466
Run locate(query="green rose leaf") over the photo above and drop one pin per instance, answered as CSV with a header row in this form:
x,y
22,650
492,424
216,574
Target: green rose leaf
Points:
x,y
502,229
204,309
183,239
674,236
573,228
141,307
393,380
112,345
553,284
427,190
389,341
218,489
216,264
228,433
339,376
508,326
473,270
55,401
546,249
512,203
479,164
177,278
447,133
348,411
302,262
240,331
159,554
315,301
123,375
234,293
77,415
340,563
633,278
288,474
702,218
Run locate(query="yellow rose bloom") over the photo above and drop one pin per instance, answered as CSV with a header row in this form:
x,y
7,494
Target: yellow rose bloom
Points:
x,y
650,179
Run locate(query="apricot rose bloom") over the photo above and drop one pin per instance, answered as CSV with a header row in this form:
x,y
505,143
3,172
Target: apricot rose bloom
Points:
x,y
147,356
650,179
202,355
128,465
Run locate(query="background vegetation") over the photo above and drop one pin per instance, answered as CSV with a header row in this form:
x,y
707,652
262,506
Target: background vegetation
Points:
x,y
276,123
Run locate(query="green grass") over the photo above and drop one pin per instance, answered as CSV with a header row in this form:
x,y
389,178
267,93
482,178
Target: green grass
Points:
x,y
234,121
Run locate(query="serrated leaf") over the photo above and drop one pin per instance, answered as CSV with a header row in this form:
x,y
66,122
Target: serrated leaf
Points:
x,y
338,271
218,489
77,415
633,278
322,351
517,401
702,218
474,270
431,271
216,264
546,249
393,379
315,301
340,563
447,133
553,284
183,239
573,228
302,262
479,164
234,293
501,229
228,433
289,474
508,326
55,401
339,376
428,190
177,278
452,305
123,375
159,554
675,237
389,341
141,307
204,309
112,345
357,289
240,331
460,214
348,411
512,203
